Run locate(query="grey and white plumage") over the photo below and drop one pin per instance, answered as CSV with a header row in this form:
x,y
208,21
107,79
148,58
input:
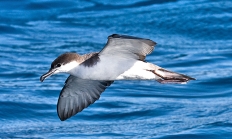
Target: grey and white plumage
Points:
x,y
123,58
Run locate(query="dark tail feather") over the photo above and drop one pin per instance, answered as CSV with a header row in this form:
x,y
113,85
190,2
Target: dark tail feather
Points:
x,y
171,77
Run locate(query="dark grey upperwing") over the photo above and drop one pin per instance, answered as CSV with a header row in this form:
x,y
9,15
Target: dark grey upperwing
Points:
x,y
78,94
128,46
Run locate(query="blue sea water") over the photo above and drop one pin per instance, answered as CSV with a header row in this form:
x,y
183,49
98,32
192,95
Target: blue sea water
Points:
x,y
194,38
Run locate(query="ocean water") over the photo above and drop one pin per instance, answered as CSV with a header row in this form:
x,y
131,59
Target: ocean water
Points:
x,y
193,37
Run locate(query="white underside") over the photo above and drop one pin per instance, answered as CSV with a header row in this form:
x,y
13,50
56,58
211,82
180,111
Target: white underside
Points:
x,y
139,71
116,69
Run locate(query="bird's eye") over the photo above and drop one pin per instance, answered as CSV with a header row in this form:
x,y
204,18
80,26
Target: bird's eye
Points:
x,y
58,65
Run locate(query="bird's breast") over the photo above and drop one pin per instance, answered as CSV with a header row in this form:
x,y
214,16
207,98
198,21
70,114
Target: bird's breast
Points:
x,y
107,68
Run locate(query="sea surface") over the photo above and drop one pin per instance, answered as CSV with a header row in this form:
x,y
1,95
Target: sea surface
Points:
x,y
193,38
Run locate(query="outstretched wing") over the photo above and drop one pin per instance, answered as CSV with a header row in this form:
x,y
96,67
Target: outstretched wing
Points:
x,y
128,46
78,94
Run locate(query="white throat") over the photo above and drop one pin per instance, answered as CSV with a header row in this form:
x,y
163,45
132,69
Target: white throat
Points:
x,y
69,67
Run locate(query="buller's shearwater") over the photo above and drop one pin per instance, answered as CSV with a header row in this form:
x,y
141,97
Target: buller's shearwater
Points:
x,y
123,58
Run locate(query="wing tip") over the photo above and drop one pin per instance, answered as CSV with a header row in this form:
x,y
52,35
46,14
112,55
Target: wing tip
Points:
x,y
62,118
65,115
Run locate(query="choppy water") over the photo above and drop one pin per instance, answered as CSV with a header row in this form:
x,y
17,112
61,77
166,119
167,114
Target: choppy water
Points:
x,y
194,38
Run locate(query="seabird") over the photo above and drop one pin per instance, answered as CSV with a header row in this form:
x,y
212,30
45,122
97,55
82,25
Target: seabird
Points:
x,y
122,58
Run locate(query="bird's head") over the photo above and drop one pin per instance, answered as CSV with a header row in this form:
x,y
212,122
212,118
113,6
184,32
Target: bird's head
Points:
x,y
63,64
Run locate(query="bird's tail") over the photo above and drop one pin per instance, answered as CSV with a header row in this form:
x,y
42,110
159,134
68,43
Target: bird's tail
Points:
x,y
165,76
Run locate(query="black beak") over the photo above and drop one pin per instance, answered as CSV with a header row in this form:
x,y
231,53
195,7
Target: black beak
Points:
x,y
49,73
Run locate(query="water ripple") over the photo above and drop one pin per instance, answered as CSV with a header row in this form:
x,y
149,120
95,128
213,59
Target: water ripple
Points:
x,y
194,38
